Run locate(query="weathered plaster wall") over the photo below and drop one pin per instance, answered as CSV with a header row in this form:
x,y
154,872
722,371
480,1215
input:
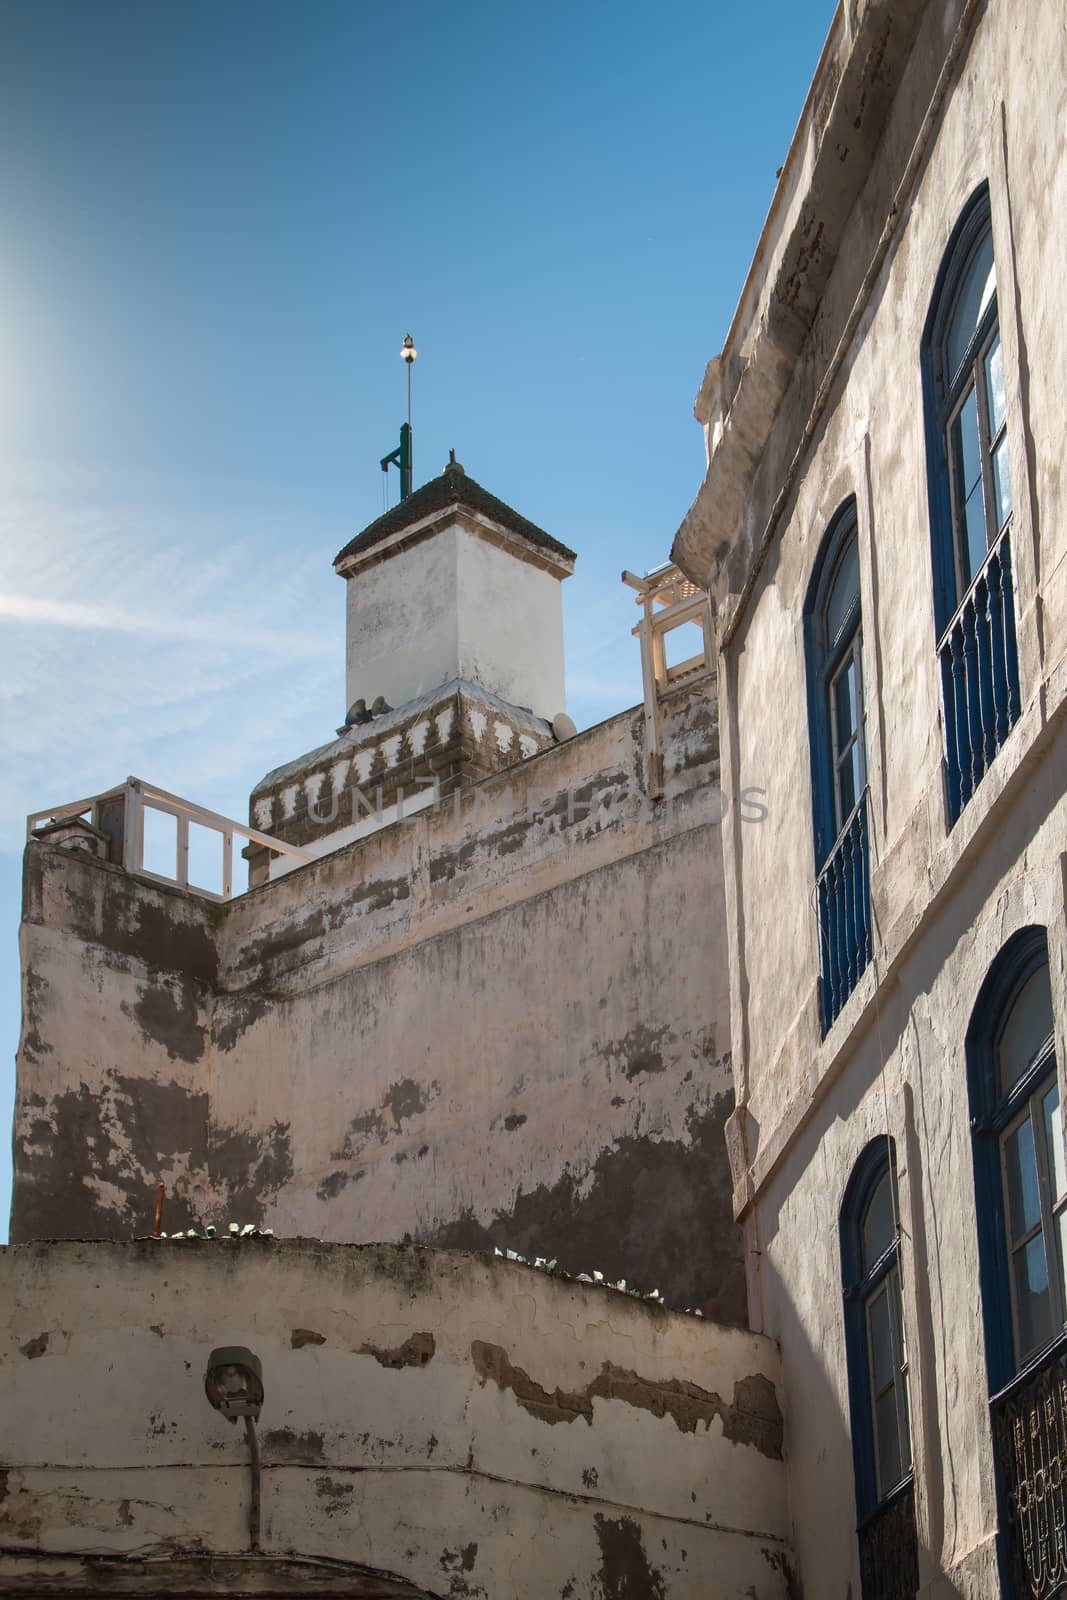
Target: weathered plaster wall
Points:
x,y
403,623
870,444
472,1427
944,902
510,625
118,986
500,1021
920,1095
456,605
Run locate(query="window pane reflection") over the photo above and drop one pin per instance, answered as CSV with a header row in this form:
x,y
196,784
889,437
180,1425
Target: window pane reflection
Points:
x,y
887,1438
994,377
1027,1030
1020,1173
844,593
878,1228
882,1361
847,704
977,288
967,445
1032,1298
1053,1120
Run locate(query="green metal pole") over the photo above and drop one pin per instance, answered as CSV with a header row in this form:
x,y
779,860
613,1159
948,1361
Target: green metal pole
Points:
x,y
405,460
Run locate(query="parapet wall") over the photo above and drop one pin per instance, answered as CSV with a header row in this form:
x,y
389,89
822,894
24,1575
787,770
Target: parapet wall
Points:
x,y
433,1425
501,1021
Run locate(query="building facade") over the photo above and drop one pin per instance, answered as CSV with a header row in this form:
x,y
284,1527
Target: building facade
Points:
x,y
754,996
882,530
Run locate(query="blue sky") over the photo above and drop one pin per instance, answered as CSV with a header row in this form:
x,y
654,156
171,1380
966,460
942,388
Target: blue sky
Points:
x,y
218,218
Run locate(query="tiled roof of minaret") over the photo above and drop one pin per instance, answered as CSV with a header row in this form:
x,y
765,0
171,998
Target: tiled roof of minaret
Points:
x,y
453,487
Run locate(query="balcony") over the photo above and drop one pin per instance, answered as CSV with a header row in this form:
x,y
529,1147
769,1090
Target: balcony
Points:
x,y
979,676
889,1552
155,835
844,900
1030,1442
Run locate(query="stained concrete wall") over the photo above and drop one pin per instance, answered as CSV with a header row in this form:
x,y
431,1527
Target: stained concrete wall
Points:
x,y
501,1021
981,99
470,1427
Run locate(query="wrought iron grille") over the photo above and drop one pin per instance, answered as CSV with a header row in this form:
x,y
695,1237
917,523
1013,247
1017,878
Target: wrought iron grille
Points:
x,y
889,1552
1030,1437
844,892
979,676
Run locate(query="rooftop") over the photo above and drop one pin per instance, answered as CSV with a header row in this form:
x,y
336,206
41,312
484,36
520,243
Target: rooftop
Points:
x,y
452,488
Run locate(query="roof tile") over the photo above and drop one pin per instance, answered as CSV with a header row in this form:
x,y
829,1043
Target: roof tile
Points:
x,y
453,487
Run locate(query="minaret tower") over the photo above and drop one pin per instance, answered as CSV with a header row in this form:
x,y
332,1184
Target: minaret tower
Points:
x,y
454,666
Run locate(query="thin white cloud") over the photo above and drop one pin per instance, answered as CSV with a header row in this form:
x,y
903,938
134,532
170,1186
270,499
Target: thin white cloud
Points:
x,y
196,645
34,611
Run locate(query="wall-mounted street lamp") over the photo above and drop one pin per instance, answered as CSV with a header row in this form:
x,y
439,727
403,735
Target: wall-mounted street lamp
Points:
x,y
233,1384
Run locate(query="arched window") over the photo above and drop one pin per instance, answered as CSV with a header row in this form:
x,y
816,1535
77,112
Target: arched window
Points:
x,y
970,505
878,1376
1019,1153
837,719
1021,1184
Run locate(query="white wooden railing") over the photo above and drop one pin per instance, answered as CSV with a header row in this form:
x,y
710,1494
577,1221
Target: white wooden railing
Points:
x,y
119,814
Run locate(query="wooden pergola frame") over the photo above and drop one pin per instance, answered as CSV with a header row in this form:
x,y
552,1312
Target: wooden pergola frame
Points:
x,y
669,600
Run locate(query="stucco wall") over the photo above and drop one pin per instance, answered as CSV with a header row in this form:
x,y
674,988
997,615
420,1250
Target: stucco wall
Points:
x,y
473,1427
501,1021
403,623
118,985
871,445
455,605
906,1073
944,901
510,626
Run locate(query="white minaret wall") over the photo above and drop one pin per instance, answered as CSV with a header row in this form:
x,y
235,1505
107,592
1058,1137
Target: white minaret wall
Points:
x,y
403,622
510,626
456,605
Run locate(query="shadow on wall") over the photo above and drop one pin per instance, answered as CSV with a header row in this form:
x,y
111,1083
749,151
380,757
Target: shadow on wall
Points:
x,y
656,1212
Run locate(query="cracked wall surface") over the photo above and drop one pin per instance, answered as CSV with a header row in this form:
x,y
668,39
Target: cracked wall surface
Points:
x,y
500,1022
389,1443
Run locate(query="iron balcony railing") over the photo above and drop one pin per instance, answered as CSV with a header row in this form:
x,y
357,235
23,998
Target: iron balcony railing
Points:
x,y
979,675
1030,1440
889,1549
844,901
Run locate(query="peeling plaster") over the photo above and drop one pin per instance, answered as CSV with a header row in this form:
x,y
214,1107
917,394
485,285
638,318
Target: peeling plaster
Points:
x,y
415,1351
752,1418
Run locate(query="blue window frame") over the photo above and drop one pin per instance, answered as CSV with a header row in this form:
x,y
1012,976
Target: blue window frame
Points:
x,y
970,506
1021,1192
878,1377
1020,1171
837,715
